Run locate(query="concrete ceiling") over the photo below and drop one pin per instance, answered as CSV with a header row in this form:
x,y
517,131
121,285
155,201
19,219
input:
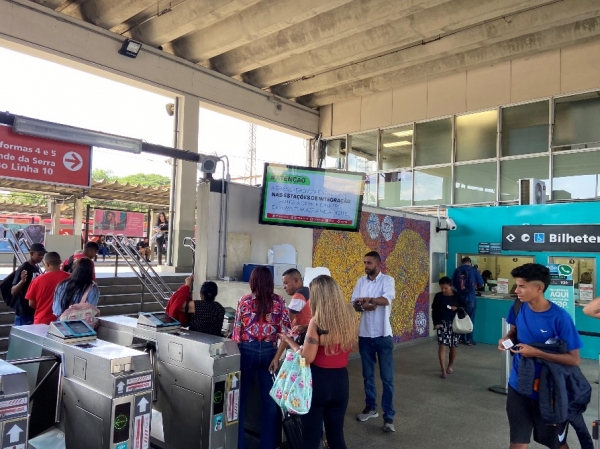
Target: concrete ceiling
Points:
x,y
317,52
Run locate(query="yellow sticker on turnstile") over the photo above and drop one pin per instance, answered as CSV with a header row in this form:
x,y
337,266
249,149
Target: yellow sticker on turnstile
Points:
x,y
233,398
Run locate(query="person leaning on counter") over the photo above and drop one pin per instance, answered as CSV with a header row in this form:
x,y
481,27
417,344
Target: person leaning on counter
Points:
x,y
593,308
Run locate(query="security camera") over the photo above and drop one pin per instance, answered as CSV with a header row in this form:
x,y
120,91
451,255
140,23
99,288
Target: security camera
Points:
x,y
450,224
170,107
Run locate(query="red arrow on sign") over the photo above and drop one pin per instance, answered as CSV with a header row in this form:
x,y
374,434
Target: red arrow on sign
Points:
x,y
72,161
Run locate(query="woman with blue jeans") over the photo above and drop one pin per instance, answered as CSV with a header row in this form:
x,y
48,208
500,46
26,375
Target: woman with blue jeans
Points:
x,y
259,318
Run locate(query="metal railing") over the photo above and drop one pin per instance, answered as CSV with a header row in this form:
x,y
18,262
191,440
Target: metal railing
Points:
x,y
149,279
16,245
190,243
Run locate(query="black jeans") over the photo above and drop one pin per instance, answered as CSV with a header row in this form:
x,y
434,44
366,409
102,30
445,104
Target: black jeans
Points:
x,y
329,403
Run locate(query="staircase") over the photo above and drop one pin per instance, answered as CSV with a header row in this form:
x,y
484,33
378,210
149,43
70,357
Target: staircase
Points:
x,y
118,296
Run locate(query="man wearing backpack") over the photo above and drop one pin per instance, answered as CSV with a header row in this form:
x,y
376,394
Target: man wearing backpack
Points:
x,y
23,277
466,280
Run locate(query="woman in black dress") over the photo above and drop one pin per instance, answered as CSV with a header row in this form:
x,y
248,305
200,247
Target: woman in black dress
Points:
x,y
443,309
162,231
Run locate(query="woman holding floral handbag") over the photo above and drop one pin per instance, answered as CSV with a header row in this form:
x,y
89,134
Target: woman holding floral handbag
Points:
x,y
331,336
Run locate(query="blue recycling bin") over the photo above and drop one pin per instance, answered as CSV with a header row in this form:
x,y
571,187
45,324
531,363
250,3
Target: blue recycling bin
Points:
x,y
249,268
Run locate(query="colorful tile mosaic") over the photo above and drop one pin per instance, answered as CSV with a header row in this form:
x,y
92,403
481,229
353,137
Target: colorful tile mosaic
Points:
x,y
403,244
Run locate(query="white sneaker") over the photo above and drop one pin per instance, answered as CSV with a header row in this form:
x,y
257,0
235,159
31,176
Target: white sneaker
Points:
x,y
367,413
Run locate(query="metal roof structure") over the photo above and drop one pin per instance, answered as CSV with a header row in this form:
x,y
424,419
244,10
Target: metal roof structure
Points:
x,y
319,52
150,197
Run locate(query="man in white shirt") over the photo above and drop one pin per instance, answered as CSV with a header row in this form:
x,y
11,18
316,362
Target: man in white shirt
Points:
x,y
373,296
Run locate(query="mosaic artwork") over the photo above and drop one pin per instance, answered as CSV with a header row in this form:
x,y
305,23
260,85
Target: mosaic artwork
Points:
x,y
403,244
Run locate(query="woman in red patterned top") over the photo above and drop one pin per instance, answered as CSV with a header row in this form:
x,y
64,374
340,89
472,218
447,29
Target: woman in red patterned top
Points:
x,y
259,318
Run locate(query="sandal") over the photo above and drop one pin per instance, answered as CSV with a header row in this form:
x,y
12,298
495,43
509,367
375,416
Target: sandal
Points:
x,y
449,370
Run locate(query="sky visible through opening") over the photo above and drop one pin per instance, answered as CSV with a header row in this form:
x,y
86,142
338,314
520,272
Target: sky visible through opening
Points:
x,y
45,90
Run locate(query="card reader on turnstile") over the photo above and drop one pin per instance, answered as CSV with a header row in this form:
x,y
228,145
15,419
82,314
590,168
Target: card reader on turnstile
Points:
x,y
158,321
72,331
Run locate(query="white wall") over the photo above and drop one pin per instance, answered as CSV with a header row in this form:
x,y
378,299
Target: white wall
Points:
x,y
244,206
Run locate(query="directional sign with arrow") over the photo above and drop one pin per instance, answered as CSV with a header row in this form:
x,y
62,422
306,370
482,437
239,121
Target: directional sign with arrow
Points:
x,y
72,161
120,387
14,434
142,405
141,421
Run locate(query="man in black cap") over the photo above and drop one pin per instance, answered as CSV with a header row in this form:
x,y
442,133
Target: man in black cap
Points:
x,y
23,277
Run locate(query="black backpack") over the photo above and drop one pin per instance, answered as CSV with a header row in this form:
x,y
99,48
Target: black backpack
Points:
x,y
6,287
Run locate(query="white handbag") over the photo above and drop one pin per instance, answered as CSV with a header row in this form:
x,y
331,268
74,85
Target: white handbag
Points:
x,y
462,325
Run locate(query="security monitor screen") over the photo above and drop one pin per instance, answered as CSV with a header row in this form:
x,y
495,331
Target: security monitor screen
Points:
x,y
79,328
164,318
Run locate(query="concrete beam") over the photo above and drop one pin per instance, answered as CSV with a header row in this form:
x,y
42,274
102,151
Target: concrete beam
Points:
x,y
52,4
186,18
39,31
527,22
425,25
550,39
339,23
108,13
262,19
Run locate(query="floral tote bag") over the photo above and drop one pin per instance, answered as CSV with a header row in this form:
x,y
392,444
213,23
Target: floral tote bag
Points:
x,y
292,389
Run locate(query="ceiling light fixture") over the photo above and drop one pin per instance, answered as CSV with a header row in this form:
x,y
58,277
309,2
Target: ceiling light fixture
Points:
x,y
403,133
56,131
401,143
130,48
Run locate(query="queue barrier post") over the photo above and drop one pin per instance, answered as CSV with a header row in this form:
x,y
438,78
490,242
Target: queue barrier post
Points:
x,y
505,366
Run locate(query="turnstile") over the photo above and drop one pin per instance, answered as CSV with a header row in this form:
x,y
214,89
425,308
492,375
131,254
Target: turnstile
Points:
x,y
98,399
14,406
196,401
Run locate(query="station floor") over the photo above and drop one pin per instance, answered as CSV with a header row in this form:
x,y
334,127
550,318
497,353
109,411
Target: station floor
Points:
x,y
453,413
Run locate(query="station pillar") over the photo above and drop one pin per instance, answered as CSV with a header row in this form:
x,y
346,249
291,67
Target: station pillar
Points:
x,y
183,209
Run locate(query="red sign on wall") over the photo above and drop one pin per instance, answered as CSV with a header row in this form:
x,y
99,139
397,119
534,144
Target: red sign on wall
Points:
x,y
44,160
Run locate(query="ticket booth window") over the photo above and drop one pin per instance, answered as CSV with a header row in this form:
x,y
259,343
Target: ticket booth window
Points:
x,y
584,272
499,266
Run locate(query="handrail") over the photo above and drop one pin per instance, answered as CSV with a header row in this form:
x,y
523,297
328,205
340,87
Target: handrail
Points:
x,y
15,244
157,287
190,243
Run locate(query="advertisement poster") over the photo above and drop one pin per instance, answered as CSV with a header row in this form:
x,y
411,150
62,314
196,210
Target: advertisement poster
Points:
x,y
561,293
312,198
130,224
36,232
44,160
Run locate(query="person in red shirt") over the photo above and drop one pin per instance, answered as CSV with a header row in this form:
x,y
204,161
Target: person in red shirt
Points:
x,y
90,250
41,291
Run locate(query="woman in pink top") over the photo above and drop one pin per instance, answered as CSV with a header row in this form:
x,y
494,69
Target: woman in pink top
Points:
x,y
331,336
259,318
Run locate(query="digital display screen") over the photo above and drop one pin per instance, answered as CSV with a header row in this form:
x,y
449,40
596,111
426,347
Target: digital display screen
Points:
x,y
61,327
311,197
78,327
121,422
164,318
219,397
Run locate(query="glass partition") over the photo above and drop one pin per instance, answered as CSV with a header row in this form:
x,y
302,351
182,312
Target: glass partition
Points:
x,y
476,136
363,153
335,154
513,170
475,183
433,142
525,129
576,122
395,189
433,185
396,147
576,176
498,266
584,272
